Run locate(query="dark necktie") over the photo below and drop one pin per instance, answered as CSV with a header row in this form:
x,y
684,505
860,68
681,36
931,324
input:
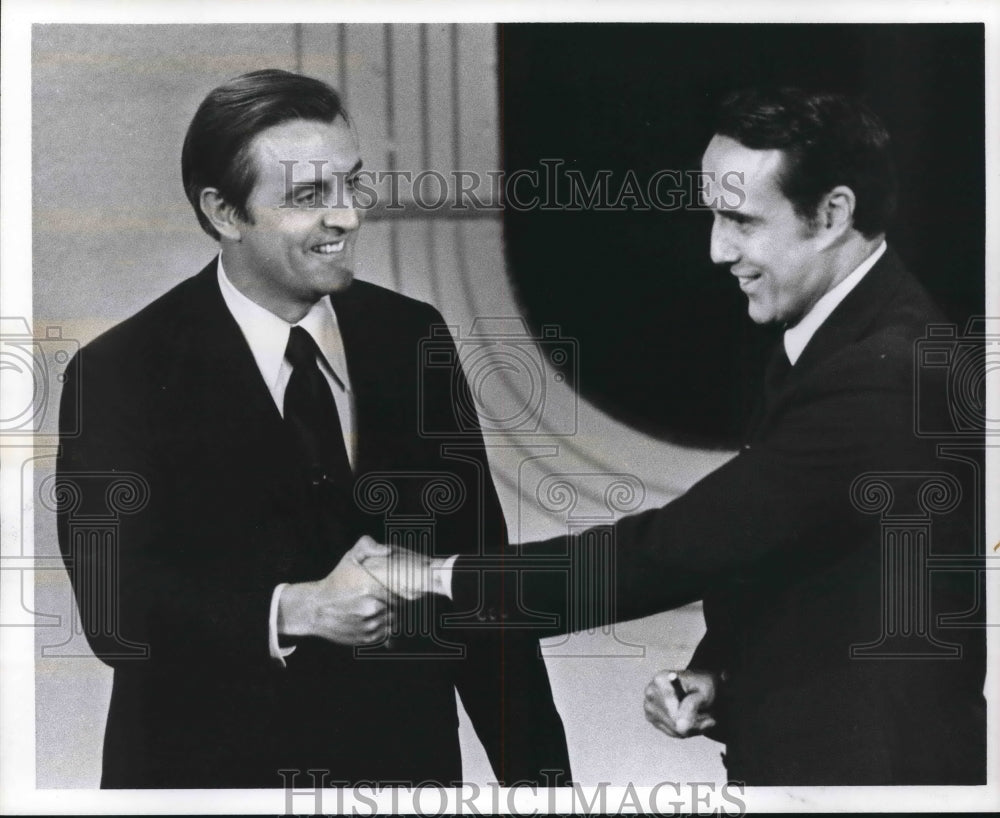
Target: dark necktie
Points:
x,y
311,415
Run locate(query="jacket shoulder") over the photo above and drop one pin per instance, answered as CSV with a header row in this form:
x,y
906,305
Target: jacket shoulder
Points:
x,y
883,353
363,295
386,322
155,325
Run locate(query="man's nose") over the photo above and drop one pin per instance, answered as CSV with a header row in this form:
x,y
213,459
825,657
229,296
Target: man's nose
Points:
x,y
344,217
722,249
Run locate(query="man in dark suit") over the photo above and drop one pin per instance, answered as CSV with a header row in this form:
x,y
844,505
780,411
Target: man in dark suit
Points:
x,y
246,429
832,654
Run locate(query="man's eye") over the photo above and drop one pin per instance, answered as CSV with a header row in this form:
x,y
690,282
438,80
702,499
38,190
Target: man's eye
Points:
x,y
306,198
740,222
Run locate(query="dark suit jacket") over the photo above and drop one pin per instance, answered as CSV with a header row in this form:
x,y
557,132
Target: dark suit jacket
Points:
x,y
787,552
183,507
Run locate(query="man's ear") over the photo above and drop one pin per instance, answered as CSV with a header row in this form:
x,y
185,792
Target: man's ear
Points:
x,y
835,215
220,213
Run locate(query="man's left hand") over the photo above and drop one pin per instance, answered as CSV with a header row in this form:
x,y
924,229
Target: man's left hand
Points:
x,y
685,713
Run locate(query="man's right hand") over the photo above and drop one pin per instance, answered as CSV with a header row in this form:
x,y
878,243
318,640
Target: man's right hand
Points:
x,y
348,606
407,574
684,715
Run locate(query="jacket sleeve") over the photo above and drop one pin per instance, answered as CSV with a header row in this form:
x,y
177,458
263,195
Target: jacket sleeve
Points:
x,y
504,686
145,581
503,681
769,508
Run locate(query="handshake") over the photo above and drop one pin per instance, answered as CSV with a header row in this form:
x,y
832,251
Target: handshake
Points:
x,y
403,573
357,602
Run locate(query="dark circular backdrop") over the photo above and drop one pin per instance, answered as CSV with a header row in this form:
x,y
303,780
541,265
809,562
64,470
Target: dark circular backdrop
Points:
x,y
664,341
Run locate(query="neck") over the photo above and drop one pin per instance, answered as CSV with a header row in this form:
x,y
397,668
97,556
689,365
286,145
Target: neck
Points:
x,y
837,262
849,255
254,287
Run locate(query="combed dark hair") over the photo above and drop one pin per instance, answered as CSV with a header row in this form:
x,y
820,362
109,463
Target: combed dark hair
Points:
x,y
217,146
828,139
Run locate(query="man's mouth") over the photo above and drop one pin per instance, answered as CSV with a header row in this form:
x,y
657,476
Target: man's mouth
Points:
x,y
747,280
329,248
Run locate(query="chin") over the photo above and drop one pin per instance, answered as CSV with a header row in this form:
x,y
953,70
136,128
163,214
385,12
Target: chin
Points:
x,y
340,282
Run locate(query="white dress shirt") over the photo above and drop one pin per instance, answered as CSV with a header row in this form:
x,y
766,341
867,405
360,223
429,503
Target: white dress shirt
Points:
x,y
797,337
267,336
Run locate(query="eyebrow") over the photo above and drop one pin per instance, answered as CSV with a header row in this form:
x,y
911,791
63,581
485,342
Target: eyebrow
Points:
x,y
328,180
736,216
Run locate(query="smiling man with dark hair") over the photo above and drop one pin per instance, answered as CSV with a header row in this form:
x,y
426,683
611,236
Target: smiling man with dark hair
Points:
x,y
832,655
259,406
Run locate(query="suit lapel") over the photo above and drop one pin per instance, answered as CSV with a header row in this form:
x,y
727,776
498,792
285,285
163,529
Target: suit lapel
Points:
x,y
363,351
848,322
235,405
855,314
228,357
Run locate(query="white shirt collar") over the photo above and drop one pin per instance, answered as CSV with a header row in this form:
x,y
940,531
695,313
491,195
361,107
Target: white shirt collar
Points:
x,y
267,334
799,336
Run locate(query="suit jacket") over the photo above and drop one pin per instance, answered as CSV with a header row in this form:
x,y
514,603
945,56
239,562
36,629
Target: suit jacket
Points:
x,y
182,506
807,549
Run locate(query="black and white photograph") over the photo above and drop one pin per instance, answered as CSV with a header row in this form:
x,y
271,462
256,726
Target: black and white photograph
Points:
x,y
518,410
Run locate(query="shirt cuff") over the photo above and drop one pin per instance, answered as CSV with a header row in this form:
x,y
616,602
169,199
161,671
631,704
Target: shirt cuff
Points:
x,y
445,572
278,653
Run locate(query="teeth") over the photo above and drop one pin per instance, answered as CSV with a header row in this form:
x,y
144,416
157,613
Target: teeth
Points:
x,y
331,247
